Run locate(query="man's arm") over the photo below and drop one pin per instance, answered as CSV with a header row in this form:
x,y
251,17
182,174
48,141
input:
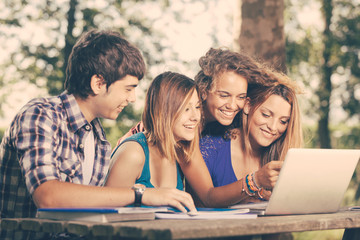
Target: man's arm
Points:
x,y
63,194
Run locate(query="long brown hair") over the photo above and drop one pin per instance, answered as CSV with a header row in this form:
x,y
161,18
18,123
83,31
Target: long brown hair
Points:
x,y
292,137
165,100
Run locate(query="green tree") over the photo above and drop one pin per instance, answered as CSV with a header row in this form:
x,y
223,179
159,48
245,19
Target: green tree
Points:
x,y
340,68
327,63
347,35
325,87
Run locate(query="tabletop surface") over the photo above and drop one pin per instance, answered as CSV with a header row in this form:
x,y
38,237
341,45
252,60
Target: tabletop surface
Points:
x,y
187,229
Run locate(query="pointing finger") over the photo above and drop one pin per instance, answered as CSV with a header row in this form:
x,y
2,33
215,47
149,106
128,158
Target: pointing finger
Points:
x,y
276,165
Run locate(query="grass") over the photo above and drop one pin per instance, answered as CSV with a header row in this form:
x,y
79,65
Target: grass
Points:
x,y
319,235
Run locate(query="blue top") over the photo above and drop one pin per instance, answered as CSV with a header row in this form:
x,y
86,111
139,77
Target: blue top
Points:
x,y
216,152
145,174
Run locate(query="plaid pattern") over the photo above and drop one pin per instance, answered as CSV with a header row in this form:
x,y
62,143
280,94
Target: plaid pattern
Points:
x,y
45,142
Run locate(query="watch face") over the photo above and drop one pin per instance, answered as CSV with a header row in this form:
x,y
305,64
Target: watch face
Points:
x,y
139,187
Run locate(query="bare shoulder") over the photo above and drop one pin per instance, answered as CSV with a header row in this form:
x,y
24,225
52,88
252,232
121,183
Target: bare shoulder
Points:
x,y
130,151
126,165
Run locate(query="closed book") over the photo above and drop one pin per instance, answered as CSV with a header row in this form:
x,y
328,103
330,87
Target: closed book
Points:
x,y
207,213
257,207
101,215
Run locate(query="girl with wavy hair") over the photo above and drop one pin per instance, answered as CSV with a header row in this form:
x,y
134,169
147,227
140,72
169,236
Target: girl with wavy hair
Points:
x,y
269,126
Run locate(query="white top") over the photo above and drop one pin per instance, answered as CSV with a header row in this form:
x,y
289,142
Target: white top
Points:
x,y
88,163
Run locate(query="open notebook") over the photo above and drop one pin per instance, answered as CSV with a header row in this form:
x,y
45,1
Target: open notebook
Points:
x,y
310,181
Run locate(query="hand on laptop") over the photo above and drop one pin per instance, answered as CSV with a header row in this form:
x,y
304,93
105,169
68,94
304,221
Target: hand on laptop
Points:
x,y
267,176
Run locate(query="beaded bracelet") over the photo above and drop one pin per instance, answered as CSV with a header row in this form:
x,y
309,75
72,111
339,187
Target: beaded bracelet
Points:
x,y
261,190
260,193
252,185
253,177
249,184
251,188
246,189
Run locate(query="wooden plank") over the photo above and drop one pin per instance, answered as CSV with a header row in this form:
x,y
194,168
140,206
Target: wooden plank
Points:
x,y
79,228
103,230
31,224
141,230
53,226
193,229
183,229
131,232
262,225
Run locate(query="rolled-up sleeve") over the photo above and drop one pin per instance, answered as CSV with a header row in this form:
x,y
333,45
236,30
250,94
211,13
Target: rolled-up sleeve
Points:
x,y
35,142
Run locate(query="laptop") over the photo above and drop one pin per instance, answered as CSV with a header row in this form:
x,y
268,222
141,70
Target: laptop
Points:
x,y
310,181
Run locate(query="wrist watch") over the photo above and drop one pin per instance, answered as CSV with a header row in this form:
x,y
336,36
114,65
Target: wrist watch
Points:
x,y
139,190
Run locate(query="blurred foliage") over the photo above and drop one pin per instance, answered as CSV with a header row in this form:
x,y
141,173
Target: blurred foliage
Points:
x,y
1,133
347,35
46,60
42,62
305,48
40,59
127,119
342,136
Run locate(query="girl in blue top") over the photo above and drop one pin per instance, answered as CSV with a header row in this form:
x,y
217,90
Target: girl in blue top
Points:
x,y
268,127
171,120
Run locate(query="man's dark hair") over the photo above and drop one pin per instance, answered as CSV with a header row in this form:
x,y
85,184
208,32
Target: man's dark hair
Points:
x,y
105,54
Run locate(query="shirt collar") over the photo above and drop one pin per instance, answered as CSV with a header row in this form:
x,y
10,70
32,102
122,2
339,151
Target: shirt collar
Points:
x,y
75,117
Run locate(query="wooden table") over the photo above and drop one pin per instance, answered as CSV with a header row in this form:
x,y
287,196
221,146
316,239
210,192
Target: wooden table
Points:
x,y
195,229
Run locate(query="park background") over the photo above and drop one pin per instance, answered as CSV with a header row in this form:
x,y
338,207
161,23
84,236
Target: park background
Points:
x,y
316,42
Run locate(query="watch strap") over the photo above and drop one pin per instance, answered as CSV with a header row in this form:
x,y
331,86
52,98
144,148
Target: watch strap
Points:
x,y
138,197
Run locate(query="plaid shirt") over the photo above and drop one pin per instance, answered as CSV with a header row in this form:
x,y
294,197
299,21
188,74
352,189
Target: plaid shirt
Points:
x,y
46,142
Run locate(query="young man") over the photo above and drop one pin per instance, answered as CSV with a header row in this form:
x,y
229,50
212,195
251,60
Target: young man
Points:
x,y
55,153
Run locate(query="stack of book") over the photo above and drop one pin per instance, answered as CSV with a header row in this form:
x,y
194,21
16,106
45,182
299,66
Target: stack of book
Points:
x,y
102,215
108,215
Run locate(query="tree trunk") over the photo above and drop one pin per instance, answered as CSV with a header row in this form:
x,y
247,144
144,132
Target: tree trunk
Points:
x,y
261,34
325,88
69,37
